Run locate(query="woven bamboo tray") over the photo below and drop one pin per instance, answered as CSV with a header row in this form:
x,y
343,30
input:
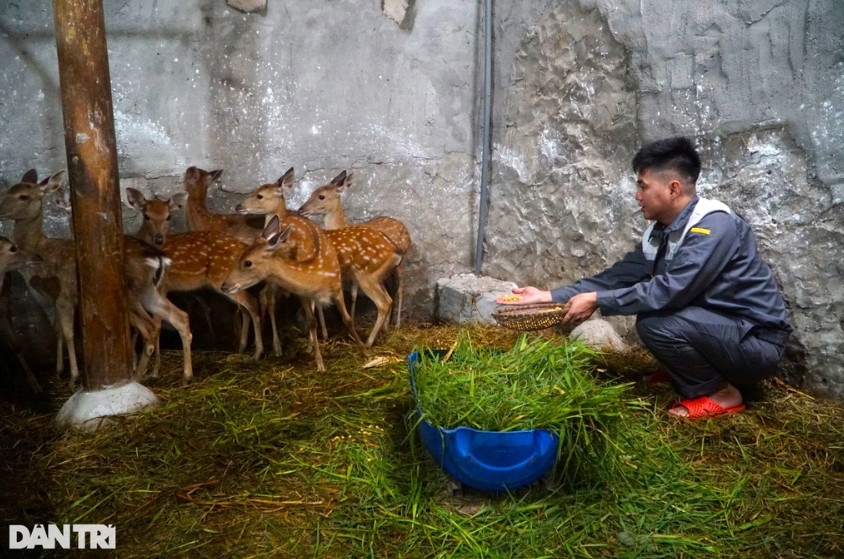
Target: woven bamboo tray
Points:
x,y
535,316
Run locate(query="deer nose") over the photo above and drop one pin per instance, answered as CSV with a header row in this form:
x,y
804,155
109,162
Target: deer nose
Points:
x,y
159,240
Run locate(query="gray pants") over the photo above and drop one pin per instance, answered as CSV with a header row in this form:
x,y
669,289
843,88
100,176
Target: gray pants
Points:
x,y
703,350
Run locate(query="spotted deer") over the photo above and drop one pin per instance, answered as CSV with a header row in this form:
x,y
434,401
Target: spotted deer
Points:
x,y
365,255
297,255
268,200
325,201
199,259
143,268
12,258
23,203
199,218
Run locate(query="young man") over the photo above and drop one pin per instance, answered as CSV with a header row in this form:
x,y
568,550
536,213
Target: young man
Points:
x,y
707,306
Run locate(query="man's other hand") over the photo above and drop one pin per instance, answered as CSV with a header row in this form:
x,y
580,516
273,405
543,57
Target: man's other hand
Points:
x,y
581,307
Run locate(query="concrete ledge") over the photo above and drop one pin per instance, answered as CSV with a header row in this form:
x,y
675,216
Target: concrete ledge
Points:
x,y
89,410
599,334
467,298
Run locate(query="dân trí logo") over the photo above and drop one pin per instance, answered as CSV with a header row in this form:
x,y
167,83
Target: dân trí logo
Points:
x,y
53,536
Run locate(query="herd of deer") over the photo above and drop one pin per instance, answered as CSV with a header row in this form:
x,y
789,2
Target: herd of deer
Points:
x,y
223,252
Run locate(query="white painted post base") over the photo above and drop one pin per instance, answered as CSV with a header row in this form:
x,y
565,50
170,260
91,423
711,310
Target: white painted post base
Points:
x,y
89,410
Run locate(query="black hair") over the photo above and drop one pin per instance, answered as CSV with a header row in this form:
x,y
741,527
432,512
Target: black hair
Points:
x,y
675,154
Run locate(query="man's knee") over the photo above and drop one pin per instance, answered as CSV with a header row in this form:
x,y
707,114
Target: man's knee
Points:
x,y
651,328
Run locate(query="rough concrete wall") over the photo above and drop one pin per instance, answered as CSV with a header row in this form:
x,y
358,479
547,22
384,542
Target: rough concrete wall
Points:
x,y
760,87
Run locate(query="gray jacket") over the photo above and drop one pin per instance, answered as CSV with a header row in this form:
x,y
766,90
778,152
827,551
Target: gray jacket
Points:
x,y
706,258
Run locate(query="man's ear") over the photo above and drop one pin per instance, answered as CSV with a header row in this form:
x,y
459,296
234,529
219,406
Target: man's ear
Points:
x,y
675,188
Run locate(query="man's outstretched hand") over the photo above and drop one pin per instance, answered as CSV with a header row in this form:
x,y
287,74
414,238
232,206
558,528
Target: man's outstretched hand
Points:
x,y
524,296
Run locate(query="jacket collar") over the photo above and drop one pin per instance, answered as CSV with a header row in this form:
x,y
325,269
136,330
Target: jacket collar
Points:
x,y
682,218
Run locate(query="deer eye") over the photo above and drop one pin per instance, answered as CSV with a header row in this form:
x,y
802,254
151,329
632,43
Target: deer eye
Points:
x,y
169,217
13,249
259,196
25,197
247,264
146,218
322,196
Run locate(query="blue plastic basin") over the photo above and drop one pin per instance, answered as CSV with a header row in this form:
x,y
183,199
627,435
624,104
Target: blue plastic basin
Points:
x,y
488,460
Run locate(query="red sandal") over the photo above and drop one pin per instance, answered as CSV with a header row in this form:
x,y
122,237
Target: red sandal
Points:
x,y
703,407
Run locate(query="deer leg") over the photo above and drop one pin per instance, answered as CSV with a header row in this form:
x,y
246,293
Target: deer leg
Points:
x,y
310,347
59,346
156,364
399,273
249,302
268,299
374,289
64,318
143,325
163,309
353,291
321,315
344,314
134,343
307,306
30,377
243,328
180,322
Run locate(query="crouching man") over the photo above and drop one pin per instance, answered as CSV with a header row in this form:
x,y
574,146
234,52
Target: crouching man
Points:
x,y
707,306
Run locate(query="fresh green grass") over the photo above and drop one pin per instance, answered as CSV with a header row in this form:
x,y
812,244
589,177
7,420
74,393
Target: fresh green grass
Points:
x,y
271,459
537,383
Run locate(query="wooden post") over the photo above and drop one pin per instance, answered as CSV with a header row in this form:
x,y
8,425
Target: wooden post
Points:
x,y
95,189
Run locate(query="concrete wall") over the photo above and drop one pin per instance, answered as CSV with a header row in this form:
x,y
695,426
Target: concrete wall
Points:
x,y
390,89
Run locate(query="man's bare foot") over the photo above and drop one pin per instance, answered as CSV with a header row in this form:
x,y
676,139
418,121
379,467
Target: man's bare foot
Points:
x,y
728,397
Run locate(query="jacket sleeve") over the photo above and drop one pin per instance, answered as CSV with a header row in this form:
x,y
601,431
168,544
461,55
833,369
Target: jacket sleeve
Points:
x,y
700,259
626,272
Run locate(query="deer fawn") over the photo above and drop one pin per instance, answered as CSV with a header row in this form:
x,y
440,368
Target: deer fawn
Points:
x,y
366,256
23,203
145,270
325,201
198,258
12,258
268,200
199,218
279,255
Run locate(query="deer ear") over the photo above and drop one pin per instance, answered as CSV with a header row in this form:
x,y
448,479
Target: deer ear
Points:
x,y
51,183
347,182
30,176
285,234
286,180
178,201
276,239
339,179
271,229
191,174
215,174
135,198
